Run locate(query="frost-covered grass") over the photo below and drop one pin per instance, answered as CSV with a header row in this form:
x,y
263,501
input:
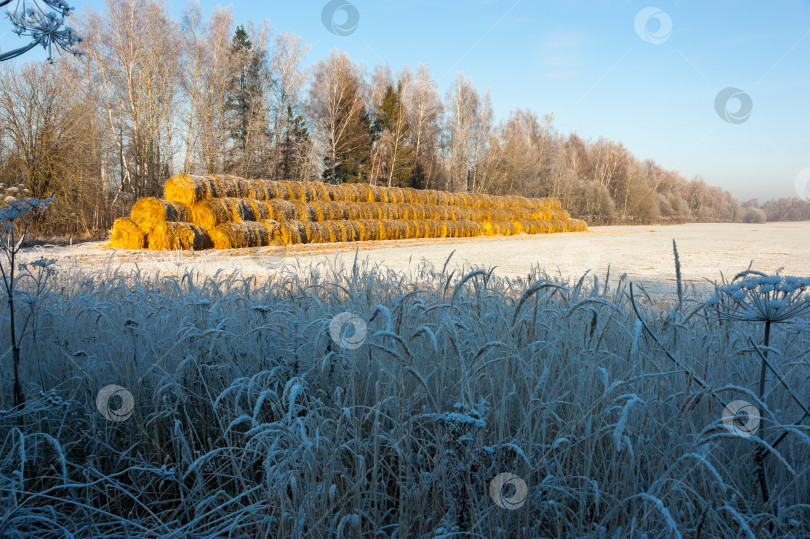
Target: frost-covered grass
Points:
x,y
251,420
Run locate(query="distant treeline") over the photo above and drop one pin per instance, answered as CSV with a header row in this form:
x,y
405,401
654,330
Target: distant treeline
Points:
x,y
203,95
783,209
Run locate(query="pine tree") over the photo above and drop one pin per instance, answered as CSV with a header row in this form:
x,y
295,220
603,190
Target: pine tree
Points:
x,y
249,128
352,152
392,131
294,149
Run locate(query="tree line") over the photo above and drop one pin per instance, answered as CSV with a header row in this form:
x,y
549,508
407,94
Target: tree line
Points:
x,y
152,96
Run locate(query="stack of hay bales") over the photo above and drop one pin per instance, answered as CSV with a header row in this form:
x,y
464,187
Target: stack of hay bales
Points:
x,y
223,212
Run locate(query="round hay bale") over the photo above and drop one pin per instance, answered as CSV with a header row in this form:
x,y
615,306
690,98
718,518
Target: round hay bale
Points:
x,y
174,236
328,188
336,211
283,210
310,192
240,235
299,193
353,232
259,190
380,194
187,189
211,212
322,193
421,228
301,211
351,210
283,190
289,233
364,192
397,195
149,211
244,188
126,234
316,233
316,210
260,209
216,211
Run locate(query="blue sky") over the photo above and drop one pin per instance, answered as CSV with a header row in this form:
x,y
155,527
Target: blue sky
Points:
x,y
586,63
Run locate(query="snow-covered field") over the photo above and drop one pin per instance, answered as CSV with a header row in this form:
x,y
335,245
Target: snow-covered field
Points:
x,y
644,253
399,397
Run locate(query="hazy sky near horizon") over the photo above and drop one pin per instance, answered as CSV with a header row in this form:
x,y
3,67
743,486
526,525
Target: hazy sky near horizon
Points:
x,y
600,70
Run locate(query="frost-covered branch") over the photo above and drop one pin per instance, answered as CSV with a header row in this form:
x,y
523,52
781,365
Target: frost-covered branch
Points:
x,y
44,22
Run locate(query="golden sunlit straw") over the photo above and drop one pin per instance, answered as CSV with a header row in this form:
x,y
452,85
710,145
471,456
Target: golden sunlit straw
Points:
x,y
224,212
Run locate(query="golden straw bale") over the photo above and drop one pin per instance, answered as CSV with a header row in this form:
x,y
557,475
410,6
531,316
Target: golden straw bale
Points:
x,y
395,195
316,210
175,236
289,232
352,210
363,230
321,193
310,193
328,232
299,193
215,211
336,211
260,209
186,188
416,195
211,212
364,211
421,228
149,211
560,215
338,192
399,229
283,210
301,211
335,231
283,190
246,188
270,187
219,186
259,190
342,227
432,228
317,232
377,209
238,235
126,234
301,229
375,229
349,192
577,225
380,194
431,211
364,192
386,229
352,230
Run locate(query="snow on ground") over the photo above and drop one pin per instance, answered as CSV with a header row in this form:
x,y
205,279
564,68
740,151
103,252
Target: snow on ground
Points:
x,y
643,252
